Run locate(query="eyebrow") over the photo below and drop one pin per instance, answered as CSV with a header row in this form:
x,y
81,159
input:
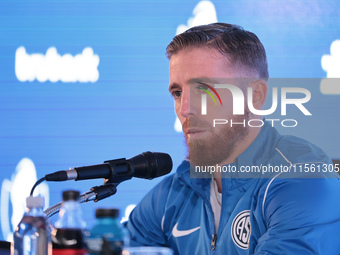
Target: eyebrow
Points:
x,y
174,86
199,80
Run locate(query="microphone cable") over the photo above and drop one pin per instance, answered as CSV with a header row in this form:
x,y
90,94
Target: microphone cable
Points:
x,y
36,184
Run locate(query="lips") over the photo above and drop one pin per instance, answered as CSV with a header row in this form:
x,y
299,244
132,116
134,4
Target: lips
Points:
x,y
193,132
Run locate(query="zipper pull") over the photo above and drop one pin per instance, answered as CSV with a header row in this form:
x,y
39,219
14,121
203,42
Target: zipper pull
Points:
x,y
213,242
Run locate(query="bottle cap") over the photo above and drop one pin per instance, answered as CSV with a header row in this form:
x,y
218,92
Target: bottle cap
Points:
x,y
70,195
107,212
35,202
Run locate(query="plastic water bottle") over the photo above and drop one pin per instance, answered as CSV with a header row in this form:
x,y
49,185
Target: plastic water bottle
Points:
x,y
33,234
107,236
68,236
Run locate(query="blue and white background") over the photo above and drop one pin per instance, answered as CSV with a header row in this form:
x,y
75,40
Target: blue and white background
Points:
x,y
82,82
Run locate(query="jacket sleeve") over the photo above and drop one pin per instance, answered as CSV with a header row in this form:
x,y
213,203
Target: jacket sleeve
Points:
x,y
302,216
145,221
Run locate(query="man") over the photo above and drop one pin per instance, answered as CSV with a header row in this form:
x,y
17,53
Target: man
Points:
x,y
289,212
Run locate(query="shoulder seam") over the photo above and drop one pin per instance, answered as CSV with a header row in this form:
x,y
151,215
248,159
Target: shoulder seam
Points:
x,y
291,164
283,156
267,188
162,223
265,194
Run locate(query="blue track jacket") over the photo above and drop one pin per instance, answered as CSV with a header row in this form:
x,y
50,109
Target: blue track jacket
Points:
x,y
270,213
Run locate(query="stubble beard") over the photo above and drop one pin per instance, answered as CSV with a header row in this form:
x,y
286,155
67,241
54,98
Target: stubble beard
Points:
x,y
219,145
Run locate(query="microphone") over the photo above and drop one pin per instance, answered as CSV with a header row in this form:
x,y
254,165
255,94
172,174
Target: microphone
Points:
x,y
147,165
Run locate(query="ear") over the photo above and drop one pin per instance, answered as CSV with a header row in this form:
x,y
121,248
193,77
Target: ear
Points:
x,y
260,89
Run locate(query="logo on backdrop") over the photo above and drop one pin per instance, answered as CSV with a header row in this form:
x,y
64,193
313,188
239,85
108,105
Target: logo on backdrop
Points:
x,y
54,67
14,192
241,229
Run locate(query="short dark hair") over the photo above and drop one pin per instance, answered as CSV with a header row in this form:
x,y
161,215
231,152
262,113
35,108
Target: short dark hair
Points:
x,y
238,45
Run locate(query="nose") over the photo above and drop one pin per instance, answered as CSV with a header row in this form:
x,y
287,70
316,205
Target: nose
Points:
x,y
184,110
190,103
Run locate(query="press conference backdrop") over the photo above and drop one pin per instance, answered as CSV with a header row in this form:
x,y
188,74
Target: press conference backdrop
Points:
x,y
82,82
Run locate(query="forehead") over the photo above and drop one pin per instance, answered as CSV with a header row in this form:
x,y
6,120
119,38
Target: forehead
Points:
x,y
199,62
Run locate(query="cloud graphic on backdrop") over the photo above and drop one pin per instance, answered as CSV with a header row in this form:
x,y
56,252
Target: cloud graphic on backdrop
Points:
x,y
15,191
204,13
54,67
127,212
331,64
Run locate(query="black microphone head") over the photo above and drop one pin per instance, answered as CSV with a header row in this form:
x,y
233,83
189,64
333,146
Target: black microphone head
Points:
x,y
162,162
149,165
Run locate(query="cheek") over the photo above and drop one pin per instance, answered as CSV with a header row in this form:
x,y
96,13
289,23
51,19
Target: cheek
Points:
x,y
177,111
227,105
217,110
177,107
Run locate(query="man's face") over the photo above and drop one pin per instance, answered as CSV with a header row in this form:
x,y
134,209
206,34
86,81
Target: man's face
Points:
x,y
189,70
